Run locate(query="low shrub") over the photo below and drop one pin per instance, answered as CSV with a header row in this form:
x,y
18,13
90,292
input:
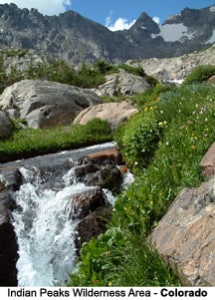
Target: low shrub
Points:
x,y
139,139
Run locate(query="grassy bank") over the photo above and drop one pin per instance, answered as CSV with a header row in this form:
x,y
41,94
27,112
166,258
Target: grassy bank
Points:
x,y
30,142
163,144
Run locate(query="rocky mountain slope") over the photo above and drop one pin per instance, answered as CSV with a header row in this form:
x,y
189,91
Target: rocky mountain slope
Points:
x,y
74,38
177,68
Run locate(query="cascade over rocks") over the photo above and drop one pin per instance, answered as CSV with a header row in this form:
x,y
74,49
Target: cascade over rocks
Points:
x,y
45,104
86,202
89,208
100,169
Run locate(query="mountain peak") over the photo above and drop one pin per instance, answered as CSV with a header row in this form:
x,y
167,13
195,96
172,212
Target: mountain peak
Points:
x,y
145,22
75,39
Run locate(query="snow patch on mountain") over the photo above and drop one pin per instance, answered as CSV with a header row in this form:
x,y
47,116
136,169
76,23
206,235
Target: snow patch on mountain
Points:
x,y
174,33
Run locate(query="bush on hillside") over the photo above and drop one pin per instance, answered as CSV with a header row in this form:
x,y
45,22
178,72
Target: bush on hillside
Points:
x,y
138,138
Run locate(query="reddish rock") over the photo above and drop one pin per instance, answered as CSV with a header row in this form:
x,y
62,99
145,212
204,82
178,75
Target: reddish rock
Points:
x,y
208,162
185,235
104,157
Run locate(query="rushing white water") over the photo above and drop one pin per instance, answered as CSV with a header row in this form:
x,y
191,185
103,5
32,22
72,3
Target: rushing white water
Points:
x,y
45,223
45,231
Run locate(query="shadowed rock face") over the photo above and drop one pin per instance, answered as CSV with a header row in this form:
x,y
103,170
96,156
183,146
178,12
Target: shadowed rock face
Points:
x,y
5,125
44,104
185,235
8,250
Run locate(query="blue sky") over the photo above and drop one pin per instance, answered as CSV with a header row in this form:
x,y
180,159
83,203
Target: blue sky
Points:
x,y
115,14
107,12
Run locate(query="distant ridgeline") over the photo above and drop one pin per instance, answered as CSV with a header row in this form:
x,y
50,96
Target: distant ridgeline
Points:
x,y
75,39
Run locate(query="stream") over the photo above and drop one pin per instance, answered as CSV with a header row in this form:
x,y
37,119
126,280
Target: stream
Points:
x,y
45,219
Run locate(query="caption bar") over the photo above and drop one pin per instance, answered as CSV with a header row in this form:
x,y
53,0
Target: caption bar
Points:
x,y
111,293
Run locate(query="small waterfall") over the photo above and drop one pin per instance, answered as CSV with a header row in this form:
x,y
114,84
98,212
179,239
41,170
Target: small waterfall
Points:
x,y
45,231
45,223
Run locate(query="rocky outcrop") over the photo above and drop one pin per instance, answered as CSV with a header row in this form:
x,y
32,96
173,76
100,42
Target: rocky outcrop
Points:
x,y
114,113
185,235
44,104
122,83
175,69
5,125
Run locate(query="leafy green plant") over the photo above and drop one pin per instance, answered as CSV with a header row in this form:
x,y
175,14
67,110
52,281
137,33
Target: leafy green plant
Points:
x,y
104,67
140,138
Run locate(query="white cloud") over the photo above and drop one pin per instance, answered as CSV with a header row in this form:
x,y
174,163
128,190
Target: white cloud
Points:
x,y
156,20
119,24
46,7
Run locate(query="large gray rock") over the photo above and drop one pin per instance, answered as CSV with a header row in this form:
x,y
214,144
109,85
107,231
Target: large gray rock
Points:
x,y
185,235
45,104
122,83
114,113
5,125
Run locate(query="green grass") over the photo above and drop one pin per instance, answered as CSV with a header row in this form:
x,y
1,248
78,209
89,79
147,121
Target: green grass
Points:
x,y
29,142
121,256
